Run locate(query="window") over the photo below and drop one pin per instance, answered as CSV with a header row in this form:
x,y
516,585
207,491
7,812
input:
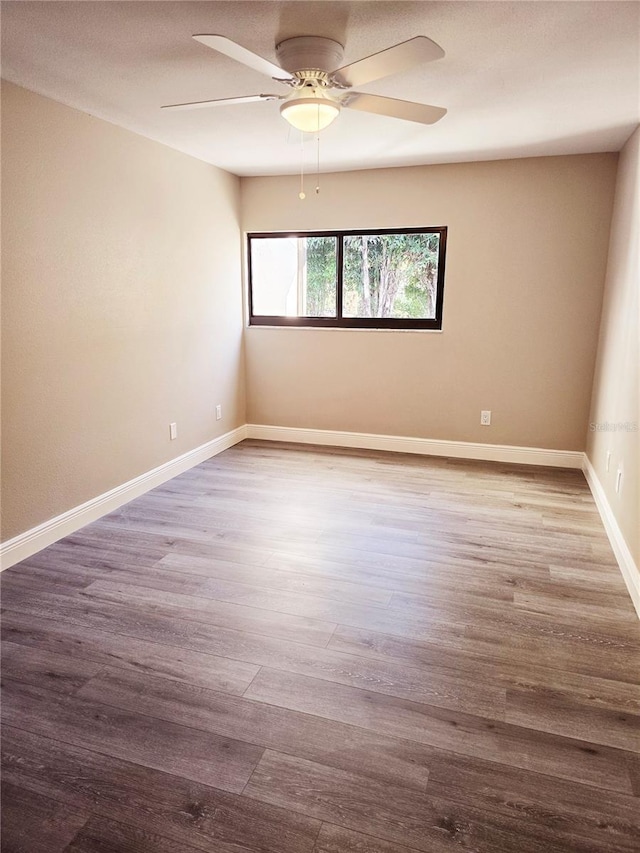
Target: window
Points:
x,y
391,279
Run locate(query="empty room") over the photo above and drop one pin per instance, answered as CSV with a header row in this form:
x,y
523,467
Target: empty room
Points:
x,y
320,427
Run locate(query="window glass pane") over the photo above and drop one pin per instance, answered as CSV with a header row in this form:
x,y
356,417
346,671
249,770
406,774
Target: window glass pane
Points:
x,y
390,275
293,276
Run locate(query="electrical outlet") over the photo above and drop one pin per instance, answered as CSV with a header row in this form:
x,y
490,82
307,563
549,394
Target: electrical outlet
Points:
x,y
218,412
618,480
485,418
173,431
608,459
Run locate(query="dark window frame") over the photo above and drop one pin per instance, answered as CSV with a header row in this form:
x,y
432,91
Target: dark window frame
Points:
x,y
340,322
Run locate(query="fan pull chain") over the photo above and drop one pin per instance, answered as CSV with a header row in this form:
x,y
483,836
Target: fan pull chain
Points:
x,y
318,163
301,194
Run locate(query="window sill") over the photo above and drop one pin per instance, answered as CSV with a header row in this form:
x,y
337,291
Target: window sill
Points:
x,y
350,330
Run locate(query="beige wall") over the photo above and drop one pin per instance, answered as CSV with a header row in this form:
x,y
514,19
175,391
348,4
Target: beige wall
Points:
x,y
121,306
526,260
616,396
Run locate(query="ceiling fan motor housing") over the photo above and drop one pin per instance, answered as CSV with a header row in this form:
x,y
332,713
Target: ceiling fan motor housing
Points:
x,y
309,53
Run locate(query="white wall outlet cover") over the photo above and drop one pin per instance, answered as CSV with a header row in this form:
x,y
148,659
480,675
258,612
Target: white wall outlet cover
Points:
x,y
485,418
173,431
218,412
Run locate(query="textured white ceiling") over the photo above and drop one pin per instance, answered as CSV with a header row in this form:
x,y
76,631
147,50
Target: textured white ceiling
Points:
x,y
519,78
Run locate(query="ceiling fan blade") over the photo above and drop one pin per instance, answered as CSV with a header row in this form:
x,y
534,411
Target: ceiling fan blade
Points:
x,y
222,102
241,54
393,60
407,110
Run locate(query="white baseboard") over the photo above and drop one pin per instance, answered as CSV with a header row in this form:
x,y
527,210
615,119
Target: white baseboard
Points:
x,y
628,567
422,446
20,547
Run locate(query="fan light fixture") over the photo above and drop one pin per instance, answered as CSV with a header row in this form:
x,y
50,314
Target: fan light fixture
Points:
x,y
309,113
310,65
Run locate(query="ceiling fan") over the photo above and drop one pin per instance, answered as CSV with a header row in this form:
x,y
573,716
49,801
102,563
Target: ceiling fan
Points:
x,y
320,88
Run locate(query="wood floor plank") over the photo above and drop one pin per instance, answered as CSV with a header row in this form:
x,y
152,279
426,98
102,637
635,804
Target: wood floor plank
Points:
x,y
336,611
63,580
259,620
219,761
337,839
351,800
565,758
633,765
238,552
534,594
552,604
504,670
106,648
60,576
106,836
433,578
574,715
596,577
393,567
607,819
32,823
202,524
45,668
345,746
287,581
95,545
158,624
184,527
105,602
348,556
568,589
600,635
420,821
514,650
601,655
190,813
390,548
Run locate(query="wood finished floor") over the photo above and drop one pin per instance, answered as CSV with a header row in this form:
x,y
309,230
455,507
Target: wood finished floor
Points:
x,y
302,650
